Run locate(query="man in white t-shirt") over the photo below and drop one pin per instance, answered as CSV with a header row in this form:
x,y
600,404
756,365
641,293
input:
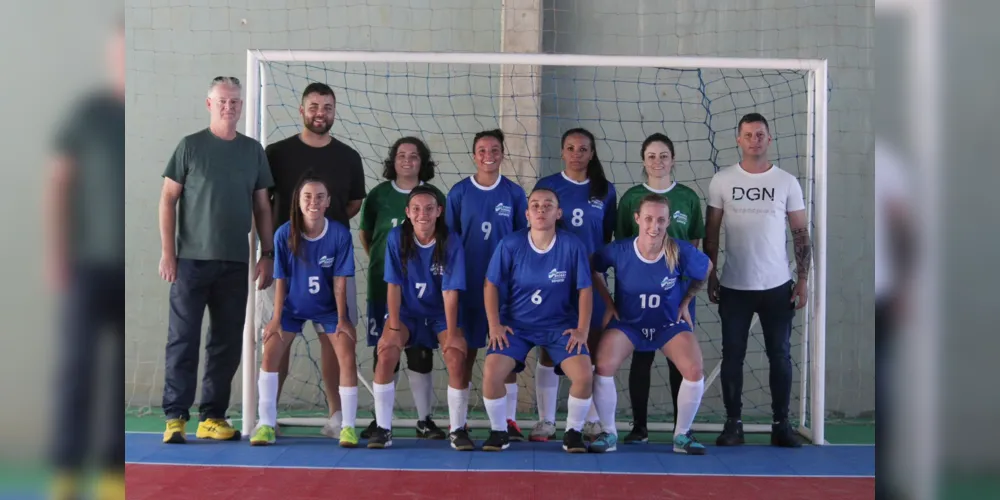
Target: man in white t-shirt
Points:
x,y
754,198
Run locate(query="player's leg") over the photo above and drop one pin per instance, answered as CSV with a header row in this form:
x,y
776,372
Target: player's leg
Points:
x,y
376,324
267,381
776,313
331,372
477,333
580,371
736,310
419,371
615,346
500,363
227,304
546,392
347,388
454,351
390,346
674,376
684,351
592,425
639,380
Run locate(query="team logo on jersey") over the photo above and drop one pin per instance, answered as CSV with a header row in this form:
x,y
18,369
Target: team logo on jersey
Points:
x,y
325,261
598,204
503,210
680,217
437,270
557,276
668,283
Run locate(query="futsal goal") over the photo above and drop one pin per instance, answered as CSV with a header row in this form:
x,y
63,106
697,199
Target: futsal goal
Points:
x,y
445,98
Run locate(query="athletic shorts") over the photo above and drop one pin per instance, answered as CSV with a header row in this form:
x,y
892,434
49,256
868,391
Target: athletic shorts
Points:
x,y
423,331
264,306
650,339
477,327
523,341
376,322
291,324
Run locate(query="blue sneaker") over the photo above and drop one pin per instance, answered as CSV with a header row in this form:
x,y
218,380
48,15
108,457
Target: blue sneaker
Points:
x,y
604,442
686,443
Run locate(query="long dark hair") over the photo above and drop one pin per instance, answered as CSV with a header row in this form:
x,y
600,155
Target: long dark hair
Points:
x,y
407,244
656,137
297,221
560,223
595,170
426,172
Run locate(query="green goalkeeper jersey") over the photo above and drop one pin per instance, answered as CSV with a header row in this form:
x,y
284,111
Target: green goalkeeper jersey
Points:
x,y
686,220
383,209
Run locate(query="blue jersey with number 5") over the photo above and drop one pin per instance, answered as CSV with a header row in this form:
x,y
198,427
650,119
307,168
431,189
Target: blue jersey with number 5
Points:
x,y
310,274
541,286
591,219
423,282
647,293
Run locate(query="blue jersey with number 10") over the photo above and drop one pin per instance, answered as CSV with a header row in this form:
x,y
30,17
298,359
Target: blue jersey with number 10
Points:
x,y
310,277
647,294
424,282
541,286
482,216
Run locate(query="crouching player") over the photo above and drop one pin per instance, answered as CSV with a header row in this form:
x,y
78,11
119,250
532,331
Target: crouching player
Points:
x,y
313,256
656,277
425,271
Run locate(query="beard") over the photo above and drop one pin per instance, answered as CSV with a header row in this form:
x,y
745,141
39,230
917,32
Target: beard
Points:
x,y
327,125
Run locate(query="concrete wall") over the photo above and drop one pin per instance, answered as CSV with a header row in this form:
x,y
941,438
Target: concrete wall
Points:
x,y
174,51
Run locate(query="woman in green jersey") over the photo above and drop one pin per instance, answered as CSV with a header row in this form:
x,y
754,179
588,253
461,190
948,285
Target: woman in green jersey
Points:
x,y
686,223
408,165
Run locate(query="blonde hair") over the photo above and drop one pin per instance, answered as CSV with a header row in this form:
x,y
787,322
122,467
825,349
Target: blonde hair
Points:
x,y
670,248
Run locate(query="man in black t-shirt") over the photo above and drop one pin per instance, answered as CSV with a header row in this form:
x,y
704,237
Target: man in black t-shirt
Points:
x,y
315,150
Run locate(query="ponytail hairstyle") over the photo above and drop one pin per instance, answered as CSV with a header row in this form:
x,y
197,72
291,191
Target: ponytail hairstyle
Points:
x,y
595,170
657,137
670,248
560,223
407,243
495,133
295,218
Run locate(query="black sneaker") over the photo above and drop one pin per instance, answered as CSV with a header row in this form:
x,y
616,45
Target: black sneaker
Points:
x,y
732,433
782,435
427,429
460,440
514,431
498,440
367,433
573,442
381,438
638,434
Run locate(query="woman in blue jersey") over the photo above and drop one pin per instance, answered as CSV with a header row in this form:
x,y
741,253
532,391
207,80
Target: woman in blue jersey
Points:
x,y
589,207
425,272
656,277
543,276
313,256
481,210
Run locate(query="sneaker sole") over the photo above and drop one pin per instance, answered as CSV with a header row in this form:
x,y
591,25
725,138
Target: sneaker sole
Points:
x,y
495,448
541,439
261,443
697,452
348,444
575,450
176,438
379,446
468,447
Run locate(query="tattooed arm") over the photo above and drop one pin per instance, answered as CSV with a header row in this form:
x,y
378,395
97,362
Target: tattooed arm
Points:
x,y
803,255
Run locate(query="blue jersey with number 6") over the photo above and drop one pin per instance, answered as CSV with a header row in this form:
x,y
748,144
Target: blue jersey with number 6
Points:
x,y
423,282
647,293
310,274
541,285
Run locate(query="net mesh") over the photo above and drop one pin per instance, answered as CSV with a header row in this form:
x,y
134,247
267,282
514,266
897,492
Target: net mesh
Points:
x,y
446,104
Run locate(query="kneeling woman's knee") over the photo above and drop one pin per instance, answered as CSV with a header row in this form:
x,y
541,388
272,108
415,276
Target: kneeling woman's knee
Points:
x,y
692,370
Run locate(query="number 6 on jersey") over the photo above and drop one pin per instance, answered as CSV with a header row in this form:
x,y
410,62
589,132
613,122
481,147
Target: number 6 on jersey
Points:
x,y
536,298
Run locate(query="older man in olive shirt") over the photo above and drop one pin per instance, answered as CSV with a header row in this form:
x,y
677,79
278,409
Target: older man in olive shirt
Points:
x,y
215,181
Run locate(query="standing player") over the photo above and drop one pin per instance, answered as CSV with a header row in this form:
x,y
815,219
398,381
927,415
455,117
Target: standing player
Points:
x,y
409,165
543,273
339,166
425,271
686,223
589,202
755,196
313,258
656,278
481,210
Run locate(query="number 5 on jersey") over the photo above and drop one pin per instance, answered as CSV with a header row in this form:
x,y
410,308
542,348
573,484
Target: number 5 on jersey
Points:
x,y
314,285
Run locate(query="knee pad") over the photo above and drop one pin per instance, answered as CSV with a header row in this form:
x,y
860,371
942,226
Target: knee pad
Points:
x,y
420,359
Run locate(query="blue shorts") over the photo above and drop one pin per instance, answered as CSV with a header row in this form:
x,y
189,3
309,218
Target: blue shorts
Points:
x,y
423,331
477,327
291,324
523,341
376,322
650,339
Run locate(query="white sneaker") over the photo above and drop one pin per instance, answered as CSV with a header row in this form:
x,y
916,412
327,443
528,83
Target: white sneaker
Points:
x,y
543,431
332,427
591,430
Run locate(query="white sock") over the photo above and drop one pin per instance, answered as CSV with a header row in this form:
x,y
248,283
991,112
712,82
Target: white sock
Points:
x,y
349,405
546,390
511,401
267,398
688,400
576,410
606,402
385,396
465,401
592,414
457,408
423,391
497,410
336,420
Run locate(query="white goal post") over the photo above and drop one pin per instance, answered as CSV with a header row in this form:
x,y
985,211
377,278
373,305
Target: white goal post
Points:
x,y
809,406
